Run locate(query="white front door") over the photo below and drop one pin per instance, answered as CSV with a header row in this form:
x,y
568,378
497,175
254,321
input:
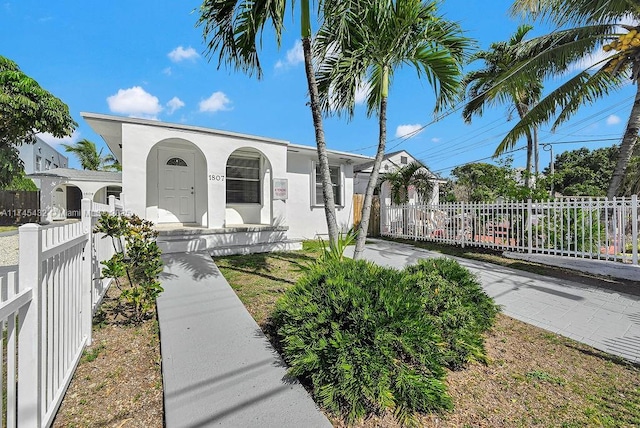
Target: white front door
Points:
x,y
176,193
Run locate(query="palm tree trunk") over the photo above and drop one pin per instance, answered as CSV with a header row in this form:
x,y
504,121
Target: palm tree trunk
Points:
x,y
527,175
373,179
626,147
323,159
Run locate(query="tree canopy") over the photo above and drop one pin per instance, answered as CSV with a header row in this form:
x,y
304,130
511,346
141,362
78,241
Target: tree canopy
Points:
x,y
27,109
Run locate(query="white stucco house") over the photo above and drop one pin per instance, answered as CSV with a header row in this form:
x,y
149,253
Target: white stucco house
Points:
x,y
62,190
393,162
220,191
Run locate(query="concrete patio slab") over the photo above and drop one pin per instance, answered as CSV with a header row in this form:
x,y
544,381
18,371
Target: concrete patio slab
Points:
x,y
218,367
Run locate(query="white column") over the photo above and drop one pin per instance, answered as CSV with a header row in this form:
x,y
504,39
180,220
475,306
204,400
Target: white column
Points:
x,y
87,279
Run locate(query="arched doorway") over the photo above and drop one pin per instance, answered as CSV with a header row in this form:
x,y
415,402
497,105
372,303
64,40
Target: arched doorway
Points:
x,y
102,195
176,183
66,202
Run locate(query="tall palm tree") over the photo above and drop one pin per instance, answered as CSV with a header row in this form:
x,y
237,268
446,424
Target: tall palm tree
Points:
x,y
490,85
90,158
585,28
382,37
233,29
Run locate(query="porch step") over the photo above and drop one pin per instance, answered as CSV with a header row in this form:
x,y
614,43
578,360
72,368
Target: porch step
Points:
x,y
227,241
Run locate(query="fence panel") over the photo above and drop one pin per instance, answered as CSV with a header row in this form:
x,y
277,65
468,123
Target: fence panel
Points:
x,y
374,217
19,207
577,227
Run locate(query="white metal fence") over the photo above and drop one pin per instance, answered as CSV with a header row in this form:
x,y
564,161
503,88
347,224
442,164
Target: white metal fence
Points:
x,y
580,227
46,308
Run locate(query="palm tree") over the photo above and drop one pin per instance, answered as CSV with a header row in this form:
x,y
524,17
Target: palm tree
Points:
x,y
415,175
585,28
90,158
233,28
490,85
384,36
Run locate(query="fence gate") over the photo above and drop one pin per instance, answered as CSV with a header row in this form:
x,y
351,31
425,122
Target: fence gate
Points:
x,y
374,218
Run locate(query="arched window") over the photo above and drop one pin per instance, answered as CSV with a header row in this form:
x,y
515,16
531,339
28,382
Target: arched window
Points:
x,y
176,162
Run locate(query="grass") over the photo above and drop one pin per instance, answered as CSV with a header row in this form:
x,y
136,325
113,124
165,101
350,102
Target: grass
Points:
x,y
8,228
532,378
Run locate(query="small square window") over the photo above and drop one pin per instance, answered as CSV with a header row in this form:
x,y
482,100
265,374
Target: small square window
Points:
x,y
403,160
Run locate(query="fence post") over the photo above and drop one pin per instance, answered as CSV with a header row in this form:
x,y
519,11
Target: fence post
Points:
x,y
634,229
464,224
30,328
529,226
87,270
112,204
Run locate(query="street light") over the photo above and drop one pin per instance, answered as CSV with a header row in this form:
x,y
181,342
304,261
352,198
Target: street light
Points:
x,y
548,147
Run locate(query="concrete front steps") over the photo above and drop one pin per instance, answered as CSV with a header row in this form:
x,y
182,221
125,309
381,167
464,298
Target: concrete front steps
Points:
x,y
234,239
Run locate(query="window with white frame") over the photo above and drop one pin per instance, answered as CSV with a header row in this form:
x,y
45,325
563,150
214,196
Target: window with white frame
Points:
x,y
336,181
38,163
243,180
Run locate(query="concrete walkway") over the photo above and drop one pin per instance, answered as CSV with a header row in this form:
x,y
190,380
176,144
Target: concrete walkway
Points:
x,y
218,368
606,320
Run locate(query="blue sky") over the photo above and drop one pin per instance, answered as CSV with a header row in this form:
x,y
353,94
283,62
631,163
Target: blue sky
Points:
x,y
146,58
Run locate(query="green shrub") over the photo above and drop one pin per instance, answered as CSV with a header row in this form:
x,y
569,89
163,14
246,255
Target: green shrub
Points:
x,y
371,339
138,259
360,335
457,306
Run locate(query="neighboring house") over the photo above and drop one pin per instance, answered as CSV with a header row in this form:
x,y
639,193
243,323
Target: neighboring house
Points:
x,y
62,190
40,156
393,162
221,191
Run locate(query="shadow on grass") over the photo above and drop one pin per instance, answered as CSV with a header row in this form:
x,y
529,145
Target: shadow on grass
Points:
x,y
259,264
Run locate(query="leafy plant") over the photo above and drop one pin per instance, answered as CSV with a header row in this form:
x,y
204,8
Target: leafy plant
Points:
x,y
138,257
371,339
457,306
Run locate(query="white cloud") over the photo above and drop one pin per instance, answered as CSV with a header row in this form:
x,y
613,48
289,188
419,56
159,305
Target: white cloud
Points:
x,y
167,71
218,101
135,102
436,140
55,142
295,56
174,104
613,120
180,54
408,130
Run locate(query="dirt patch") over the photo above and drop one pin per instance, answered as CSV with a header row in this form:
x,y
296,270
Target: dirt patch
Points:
x,y
118,382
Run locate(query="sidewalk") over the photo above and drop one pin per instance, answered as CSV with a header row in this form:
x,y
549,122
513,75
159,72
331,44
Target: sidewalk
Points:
x,y
606,320
218,367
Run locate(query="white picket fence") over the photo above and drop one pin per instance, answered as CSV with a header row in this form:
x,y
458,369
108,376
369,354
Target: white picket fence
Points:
x,y
579,227
46,309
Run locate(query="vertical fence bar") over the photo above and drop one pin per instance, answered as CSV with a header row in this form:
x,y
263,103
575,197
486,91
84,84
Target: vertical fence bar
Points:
x,y
86,280
529,227
29,329
634,229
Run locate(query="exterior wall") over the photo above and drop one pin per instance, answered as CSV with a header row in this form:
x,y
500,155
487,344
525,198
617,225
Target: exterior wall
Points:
x,y
139,172
305,219
48,185
29,152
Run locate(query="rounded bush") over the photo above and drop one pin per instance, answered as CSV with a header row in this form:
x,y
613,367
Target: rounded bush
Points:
x,y
371,339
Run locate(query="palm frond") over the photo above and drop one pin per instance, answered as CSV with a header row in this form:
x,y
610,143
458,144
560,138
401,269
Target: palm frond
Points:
x,y
584,88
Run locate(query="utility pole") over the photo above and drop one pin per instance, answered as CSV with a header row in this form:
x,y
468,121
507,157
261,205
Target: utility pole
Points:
x,y
548,147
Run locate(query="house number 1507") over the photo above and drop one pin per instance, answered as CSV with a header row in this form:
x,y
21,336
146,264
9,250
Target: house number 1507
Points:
x,y
216,177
